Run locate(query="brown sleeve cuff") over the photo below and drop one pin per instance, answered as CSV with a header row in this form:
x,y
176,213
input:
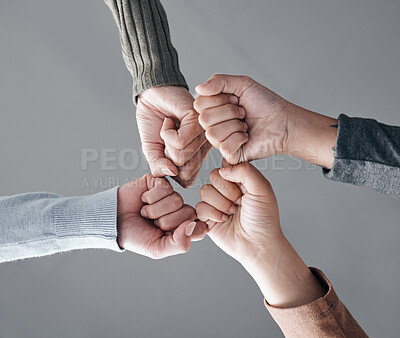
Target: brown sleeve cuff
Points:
x,y
324,317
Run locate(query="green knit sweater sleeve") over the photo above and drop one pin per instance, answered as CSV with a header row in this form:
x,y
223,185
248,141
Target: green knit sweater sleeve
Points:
x,y
146,44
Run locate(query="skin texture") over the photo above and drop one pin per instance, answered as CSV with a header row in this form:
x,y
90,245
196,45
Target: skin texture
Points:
x,y
241,210
247,121
153,221
173,142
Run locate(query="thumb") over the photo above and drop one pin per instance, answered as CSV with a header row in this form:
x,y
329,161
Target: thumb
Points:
x,y
228,84
179,138
246,174
176,243
160,166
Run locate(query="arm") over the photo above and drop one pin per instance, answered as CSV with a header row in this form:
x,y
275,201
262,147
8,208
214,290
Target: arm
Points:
x,y
146,45
241,210
40,224
352,150
172,140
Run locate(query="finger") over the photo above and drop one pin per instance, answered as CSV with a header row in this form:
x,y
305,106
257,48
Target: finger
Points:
x,y
176,243
206,212
159,189
189,171
218,133
228,84
252,179
172,220
159,165
213,197
163,207
230,148
215,115
181,156
228,189
180,137
204,102
200,231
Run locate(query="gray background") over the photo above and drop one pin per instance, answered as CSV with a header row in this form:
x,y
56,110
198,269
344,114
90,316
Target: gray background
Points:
x,y
64,88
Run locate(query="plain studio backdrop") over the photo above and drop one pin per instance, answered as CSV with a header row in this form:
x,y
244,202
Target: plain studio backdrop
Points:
x,y
65,94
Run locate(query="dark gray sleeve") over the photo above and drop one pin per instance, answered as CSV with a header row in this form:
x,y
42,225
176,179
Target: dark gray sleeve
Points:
x,y
368,154
146,44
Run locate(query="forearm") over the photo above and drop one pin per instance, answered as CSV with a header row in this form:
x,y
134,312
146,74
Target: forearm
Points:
x,y
282,276
312,136
301,300
39,224
146,44
351,150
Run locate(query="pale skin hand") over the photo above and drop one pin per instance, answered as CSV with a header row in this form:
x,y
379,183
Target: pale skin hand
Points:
x,y
173,142
241,211
247,121
153,221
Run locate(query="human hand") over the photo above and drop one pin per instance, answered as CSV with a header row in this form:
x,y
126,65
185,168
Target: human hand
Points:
x,y
152,219
247,121
240,208
173,142
242,118
241,211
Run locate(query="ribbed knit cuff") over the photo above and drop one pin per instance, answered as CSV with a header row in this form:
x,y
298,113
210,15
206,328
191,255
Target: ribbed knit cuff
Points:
x,y
87,222
147,49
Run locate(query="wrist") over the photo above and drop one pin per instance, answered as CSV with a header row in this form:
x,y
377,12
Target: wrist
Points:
x,y
311,136
282,276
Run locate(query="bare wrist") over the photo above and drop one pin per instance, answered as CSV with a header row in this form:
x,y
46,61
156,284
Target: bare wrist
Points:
x,y
311,136
282,276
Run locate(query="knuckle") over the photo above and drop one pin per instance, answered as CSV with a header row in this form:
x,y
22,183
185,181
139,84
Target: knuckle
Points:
x,y
180,143
169,189
204,190
211,134
204,119
178,200
178,157
189,211
163,225
198,104
198,208
224,148
216,76
214,175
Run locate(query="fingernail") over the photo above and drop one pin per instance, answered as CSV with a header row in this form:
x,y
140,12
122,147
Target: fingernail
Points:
x,y
234,99
143,213
224,217
245,126
167,172
233,209
225,171
242,112
144,199
247,135
239,201
190,228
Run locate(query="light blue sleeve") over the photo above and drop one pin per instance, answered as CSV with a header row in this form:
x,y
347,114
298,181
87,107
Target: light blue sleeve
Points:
x,y
39,224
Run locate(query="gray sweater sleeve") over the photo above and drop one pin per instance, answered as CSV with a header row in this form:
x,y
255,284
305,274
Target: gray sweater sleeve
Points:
x,y
39,224
367,153
146,44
